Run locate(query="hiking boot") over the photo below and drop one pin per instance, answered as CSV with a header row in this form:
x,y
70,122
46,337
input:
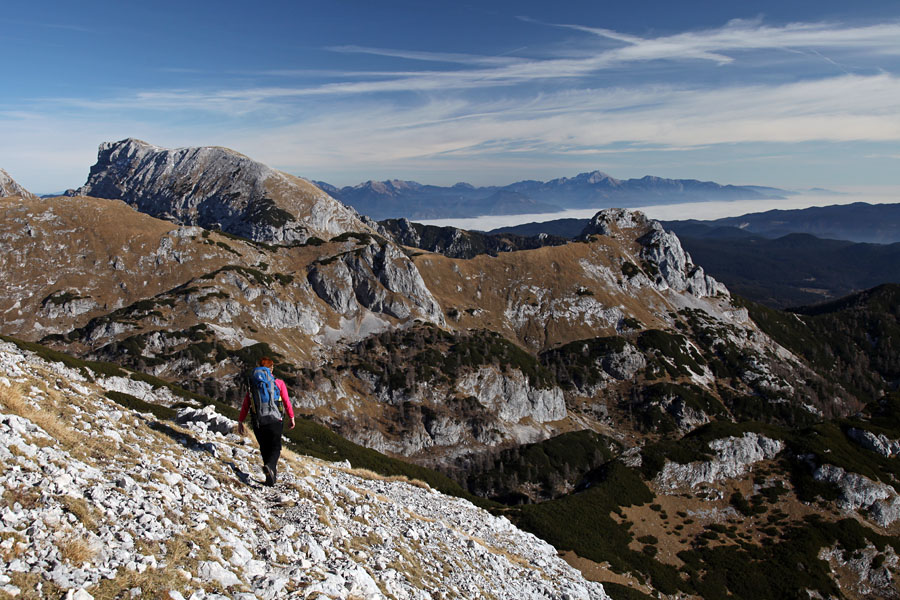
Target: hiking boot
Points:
x,y
270,476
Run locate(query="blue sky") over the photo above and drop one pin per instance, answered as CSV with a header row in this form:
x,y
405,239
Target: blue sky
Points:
x,y
791,94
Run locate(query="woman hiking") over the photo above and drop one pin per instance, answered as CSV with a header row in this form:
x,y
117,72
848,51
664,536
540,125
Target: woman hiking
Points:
x,y
264,401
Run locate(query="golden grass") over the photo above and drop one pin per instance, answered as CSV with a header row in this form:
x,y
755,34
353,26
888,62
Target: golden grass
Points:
x,y
154,584
33,587
52,419
183,553
13,398
412,567
372,475
28,497
75,550
81,509
16,551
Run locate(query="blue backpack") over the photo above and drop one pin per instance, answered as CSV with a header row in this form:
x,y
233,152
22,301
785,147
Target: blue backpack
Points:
x,y
266,397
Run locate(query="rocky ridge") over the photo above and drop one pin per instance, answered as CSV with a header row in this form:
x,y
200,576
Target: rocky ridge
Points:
x,y
733,457
178,508
9,187
217,188
460,243
857,492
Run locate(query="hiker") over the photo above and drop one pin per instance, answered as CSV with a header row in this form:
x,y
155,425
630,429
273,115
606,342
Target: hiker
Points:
x,y
264,402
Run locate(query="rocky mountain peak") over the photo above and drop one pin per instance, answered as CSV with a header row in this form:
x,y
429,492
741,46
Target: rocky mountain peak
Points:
x,y
9,187
610,221
216,188
390,187
597,177
672,267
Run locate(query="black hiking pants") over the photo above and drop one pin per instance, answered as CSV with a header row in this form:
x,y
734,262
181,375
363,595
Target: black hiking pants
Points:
x,y
269,438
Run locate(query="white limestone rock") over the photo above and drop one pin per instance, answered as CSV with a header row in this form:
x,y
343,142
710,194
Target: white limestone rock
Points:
x,y
322,530
378,277
880,443
211,420
216,188
872,581
511,396
859,492
660,248
213,571
733,457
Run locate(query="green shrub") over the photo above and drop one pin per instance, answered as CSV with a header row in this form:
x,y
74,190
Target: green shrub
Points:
x,y
582,522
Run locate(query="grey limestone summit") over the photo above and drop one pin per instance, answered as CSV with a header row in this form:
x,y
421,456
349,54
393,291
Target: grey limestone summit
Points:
x,y
217,188
9,187
662,248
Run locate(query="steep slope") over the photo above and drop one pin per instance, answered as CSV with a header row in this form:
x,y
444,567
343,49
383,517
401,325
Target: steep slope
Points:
x,y
99,501
102,268
853,340
216,188
9,187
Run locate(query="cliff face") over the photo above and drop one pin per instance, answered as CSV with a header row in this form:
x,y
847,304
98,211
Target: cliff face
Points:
x,y
216,188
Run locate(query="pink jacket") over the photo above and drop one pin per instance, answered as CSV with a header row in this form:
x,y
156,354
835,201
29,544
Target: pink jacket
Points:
x,y
245,407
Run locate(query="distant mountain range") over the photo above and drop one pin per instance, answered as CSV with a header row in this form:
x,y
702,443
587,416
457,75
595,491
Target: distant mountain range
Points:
x,y
409,199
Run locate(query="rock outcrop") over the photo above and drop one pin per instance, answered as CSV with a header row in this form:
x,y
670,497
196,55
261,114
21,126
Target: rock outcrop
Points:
x,y
9,187
858,492
378,277
733,456
871,569
178,510
879,443
673,267
217,188
512,397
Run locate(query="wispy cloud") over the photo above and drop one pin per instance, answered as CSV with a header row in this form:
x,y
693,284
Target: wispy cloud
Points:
x,y
474,72
742,35
590,122
49,25
566,123
480,111
442,57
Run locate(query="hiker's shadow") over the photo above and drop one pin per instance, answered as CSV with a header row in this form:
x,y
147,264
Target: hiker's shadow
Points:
x,y
192,443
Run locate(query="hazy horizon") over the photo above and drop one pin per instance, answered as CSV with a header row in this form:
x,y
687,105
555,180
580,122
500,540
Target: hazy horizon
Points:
x,y
684,210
